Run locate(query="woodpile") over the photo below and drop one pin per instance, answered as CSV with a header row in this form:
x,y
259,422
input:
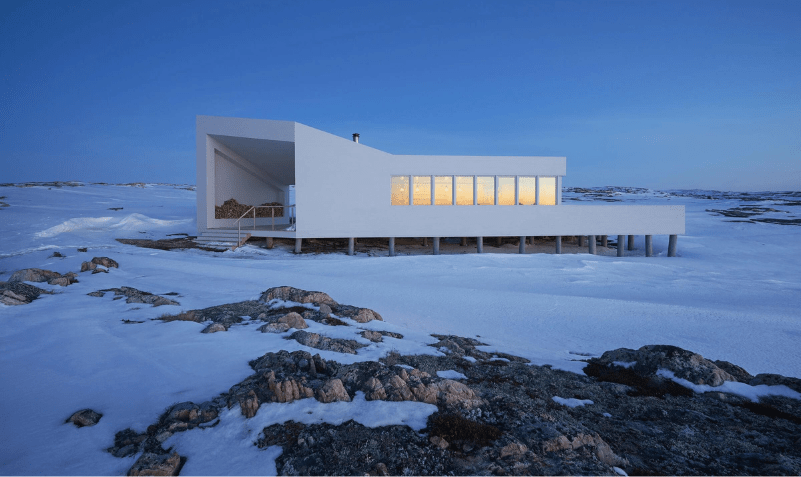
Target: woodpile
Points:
x,y
231,209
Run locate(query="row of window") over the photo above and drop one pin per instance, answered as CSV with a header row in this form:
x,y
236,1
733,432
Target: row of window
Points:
x,y
473,190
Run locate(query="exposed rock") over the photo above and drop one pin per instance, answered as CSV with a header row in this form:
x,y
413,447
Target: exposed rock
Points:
x,y
294,294
513,449
359,315
684,364
776,380
157,464
19,293
83,249
105,261
373,336
293,320
57,255
274,328
136,296
88,266
33,275
249,405
214,328
439,442
85,417
332,391
325,309
314,340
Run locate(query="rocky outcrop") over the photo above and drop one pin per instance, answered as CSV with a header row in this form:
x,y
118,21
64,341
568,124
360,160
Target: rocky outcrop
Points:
x,y
102,261
38,275
293,320
300,296
693,367
151,463
214,328
314,340
133,295
85,418
19,293
359,315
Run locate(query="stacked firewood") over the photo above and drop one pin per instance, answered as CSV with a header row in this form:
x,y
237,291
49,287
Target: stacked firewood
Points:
x,y
231,209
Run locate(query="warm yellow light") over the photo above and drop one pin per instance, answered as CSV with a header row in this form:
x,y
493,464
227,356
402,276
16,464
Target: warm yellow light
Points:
x,y
547,191
527,190
506,191
464,190
422,190
400,190
443,190
485,190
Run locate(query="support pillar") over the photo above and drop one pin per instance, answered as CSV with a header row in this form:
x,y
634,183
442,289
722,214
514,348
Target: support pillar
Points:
x,y
620,240
580,240
672,245
591,244
479,244
436,245
631,242
298,243
392,246
498,241
269,243
604,240
558,244
464,242
425,241
521,246
351,246
649,246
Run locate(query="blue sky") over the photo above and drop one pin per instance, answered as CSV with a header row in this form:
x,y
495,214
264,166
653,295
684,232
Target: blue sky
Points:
x,y
636,93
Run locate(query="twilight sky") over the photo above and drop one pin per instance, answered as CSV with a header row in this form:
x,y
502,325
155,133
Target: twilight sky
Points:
x,y
659,94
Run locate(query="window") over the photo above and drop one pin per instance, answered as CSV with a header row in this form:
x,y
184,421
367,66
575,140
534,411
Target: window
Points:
x,y
464,190
485,190
547,191
400,190
527,190
422,190
506,190
443,190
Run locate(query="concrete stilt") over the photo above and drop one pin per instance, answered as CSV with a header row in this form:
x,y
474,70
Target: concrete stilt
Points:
x,y
392,246
464,242
521,247
479,244
498,241
351,246
298,243
604,241
425,241
581,240
558,244
672,245
620,240
649,246
591,243
269,243
436,245
631,242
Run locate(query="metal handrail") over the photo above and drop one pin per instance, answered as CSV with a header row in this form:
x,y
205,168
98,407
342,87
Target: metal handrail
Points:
x,y
272,216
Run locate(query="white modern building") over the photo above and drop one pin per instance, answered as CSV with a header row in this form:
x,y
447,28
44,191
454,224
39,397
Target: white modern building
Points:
x,y
344,189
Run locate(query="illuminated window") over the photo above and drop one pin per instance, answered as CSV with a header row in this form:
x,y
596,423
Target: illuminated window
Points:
x,y
400,190
443,190
547,191
422,190
527,190
485,190
464,190
506,190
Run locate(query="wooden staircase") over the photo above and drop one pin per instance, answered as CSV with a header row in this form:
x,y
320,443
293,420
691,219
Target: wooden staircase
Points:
x,y
222,239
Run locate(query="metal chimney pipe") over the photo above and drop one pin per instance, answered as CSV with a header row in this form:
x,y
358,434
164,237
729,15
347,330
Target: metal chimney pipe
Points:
x,y
355,137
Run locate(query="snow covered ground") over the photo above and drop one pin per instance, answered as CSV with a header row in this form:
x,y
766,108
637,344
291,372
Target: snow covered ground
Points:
x,y
733,293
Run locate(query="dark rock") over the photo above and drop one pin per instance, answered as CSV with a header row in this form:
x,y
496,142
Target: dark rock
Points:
x,y
57,255
83,249
133,295
294,294
157,464
84,418
105,261
214,328
33,275
314,340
